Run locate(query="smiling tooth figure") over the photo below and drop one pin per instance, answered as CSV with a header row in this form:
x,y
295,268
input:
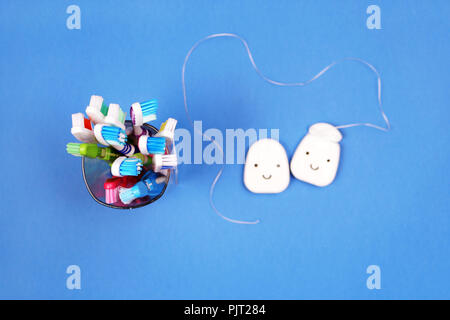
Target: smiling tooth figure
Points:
x,y
266,167
316,159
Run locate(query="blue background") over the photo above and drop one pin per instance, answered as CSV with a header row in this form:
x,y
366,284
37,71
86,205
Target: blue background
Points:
x,y
388,205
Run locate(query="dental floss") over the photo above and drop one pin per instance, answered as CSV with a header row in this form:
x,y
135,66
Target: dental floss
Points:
x,y
277,83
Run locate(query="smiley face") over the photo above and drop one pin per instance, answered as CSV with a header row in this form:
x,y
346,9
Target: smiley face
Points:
x,y
266,167
316,159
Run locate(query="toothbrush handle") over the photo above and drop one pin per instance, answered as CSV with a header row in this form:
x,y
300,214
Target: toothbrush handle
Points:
x,y
148,183
146,160
126,149
107,154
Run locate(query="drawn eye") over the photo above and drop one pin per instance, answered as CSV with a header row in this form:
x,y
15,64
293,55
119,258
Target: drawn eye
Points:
x,y
278,165
307,152
256,165
328,160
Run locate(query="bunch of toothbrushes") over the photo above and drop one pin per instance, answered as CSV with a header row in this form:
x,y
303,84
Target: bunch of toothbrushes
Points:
x,y
140,161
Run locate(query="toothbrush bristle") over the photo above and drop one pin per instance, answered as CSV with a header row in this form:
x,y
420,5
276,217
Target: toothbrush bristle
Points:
x,y
121,116
111,187
115,116
156,145
127,195
131,167
78,120
132,116
87,124
170,124
169,161
111,195
104,109
163,126
73,149
149,108
114,135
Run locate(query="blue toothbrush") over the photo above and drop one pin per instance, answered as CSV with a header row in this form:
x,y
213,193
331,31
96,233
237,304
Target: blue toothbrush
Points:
x,y
124,166
152,145
115,137
143,112
139,190
146,187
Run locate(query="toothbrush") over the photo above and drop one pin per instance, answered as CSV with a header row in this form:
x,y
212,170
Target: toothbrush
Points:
x,y
169,161
145,187
108,135
82,128
139,190
156,177
73,148
96,110
115,116
160,162
111,187
124,166
115,137
152,145
91,150
167,130
143,112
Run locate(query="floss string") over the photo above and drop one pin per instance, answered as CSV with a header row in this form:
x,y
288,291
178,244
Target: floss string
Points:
x,y
276,83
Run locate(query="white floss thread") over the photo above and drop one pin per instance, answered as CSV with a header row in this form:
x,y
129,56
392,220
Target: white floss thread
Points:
x,y
277,83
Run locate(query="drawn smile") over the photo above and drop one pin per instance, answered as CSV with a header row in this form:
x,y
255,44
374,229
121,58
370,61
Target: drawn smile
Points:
x,y
311,166
267,178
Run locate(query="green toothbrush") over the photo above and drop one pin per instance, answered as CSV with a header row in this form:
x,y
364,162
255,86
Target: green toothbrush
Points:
x,y
91,150
146,160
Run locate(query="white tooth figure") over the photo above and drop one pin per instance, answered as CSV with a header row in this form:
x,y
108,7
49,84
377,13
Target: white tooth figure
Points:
x,y
316,159
266,167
